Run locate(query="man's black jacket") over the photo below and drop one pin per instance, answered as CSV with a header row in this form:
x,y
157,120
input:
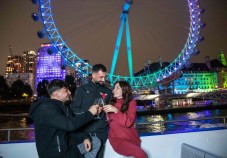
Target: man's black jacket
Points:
x,y
84,99
52,127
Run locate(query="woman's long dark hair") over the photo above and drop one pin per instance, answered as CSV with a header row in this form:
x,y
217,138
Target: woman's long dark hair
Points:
x,y
126,95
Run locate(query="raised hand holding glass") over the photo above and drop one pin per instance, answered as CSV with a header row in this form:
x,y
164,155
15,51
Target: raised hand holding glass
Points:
x,y
100,102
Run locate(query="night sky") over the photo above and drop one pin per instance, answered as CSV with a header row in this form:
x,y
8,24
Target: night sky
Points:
x,y
159,28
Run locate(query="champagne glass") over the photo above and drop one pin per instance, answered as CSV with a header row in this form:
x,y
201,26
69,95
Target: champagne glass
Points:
x,y
107,115
100,102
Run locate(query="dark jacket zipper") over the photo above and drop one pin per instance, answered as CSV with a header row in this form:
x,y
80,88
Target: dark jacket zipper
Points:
x,y
58,144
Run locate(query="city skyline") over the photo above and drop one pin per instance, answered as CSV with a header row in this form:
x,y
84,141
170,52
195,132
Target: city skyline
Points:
x,y
19,31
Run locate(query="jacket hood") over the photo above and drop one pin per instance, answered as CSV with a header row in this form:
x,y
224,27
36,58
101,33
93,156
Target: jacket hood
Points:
x,y
38,103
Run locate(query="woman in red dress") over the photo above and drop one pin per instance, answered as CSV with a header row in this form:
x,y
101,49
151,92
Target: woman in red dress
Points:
x,y
121,113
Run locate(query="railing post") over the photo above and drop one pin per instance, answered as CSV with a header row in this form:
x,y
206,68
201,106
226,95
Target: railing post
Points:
x,y
224,121
9,133
161,127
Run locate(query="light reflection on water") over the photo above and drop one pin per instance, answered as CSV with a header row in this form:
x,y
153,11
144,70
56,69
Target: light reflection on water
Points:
x,y
175,127
12,121
20,122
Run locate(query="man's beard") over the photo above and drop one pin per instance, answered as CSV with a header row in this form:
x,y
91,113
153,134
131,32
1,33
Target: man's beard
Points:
x,y
100,83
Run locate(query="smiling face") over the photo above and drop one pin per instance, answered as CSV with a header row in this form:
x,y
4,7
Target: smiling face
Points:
x,y
117,91
62,94
99,77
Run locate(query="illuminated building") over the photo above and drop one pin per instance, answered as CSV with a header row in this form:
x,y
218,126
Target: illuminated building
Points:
x,y
222,58
29,62
21,67
222,74
198,77
198,80
14,64
80,77
202,77
49,64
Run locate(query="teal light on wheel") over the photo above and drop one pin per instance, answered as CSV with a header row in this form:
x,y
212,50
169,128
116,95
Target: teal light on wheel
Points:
x,y
150,80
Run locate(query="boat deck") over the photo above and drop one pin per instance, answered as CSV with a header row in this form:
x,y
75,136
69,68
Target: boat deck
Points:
x,y
156,146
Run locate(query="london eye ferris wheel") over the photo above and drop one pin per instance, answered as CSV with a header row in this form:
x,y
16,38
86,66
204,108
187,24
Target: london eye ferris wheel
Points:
x,y
122,35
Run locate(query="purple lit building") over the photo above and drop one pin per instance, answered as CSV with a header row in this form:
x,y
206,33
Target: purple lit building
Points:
x,y
49,64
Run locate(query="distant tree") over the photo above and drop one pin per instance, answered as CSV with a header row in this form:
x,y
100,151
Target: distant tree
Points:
x,y
28,90
70,81
17,89
4,88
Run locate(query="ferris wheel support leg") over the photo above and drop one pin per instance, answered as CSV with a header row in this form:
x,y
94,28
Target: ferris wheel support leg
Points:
x,y
129,50
116,50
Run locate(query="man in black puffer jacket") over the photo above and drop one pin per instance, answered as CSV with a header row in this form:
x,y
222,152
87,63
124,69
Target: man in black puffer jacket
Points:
x,y
53,125
84,99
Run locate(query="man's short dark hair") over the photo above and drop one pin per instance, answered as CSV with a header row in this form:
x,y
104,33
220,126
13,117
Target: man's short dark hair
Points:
x,y
54,85
97,67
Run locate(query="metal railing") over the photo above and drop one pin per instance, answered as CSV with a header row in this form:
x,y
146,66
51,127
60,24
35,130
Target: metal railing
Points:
x,y
199,119
162,123
9,130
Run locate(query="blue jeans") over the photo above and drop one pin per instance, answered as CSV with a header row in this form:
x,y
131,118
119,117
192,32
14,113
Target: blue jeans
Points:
x,y
96,143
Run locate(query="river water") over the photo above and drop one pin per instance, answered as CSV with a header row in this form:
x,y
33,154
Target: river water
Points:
x,y
17,119
181,126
